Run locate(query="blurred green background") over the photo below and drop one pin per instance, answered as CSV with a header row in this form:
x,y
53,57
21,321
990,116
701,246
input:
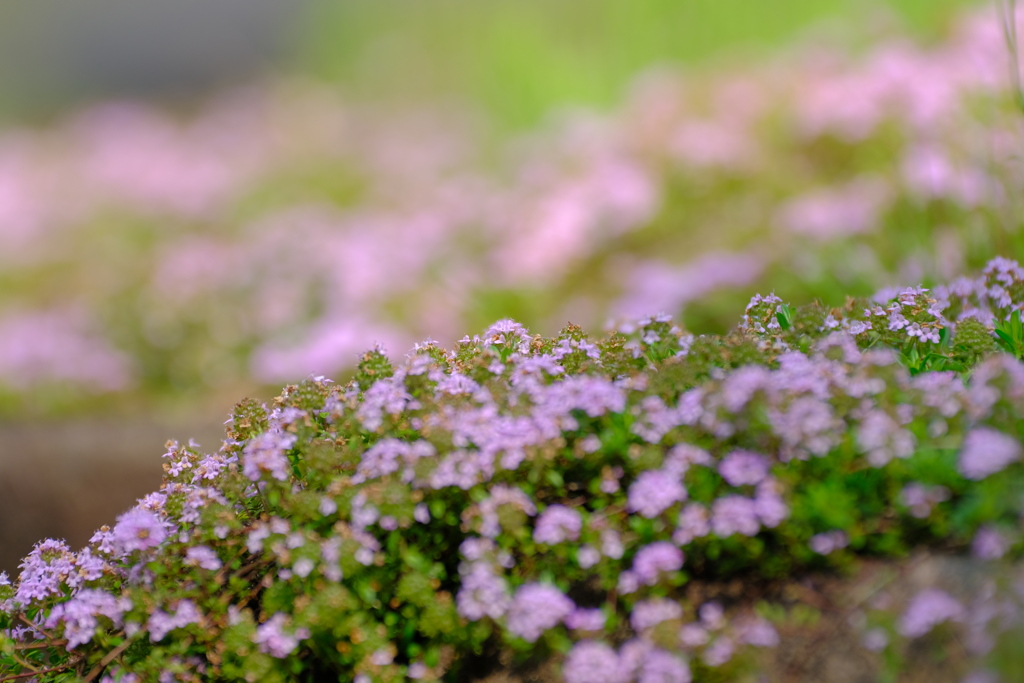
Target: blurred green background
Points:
x,y
516,59
519,59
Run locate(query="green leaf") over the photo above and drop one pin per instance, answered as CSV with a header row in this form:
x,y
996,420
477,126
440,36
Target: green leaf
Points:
x,y
784,315
1007,339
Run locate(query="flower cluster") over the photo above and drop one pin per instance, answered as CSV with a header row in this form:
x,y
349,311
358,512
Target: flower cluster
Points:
x,y
500,496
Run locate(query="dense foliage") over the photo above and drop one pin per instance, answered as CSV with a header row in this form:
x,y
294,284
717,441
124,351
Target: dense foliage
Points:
x,y
556,497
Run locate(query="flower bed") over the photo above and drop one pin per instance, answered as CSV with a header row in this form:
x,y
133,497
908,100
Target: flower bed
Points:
x,y
561,500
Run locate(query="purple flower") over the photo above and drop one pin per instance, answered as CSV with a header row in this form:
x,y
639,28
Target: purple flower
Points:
x,y
196,498
475,548
987,451
875,639
628,583
655,558
741,468
720,652
421,513
920,498
266,453
655,419
611,544
202,556
391,455
274,640
649,613
989,544
693,636
557,524
138,529
455,384
655,491
537,608
369,546
44,571
682,456
825,543
566,346
693,523
387,395
161,623
483,593
595,396
508,333
362,513
587,556
807,425
632,655
88,567
303,567
740,386
712,615
327,506
104,540
591,661
768,504
259,533
757,631
209,468
503,495
530,368
660,666
610,479
586,619
882,438
734,515
330,553
79,614
688,412
929,608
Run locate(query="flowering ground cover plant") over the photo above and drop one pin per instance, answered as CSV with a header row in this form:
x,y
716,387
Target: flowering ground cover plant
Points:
x,y
559,498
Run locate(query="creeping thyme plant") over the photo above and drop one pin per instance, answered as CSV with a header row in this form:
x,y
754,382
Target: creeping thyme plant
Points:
x,y
558,499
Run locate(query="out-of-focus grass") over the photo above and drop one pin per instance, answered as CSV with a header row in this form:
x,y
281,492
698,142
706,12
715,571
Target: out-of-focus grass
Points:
x,y
520,58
